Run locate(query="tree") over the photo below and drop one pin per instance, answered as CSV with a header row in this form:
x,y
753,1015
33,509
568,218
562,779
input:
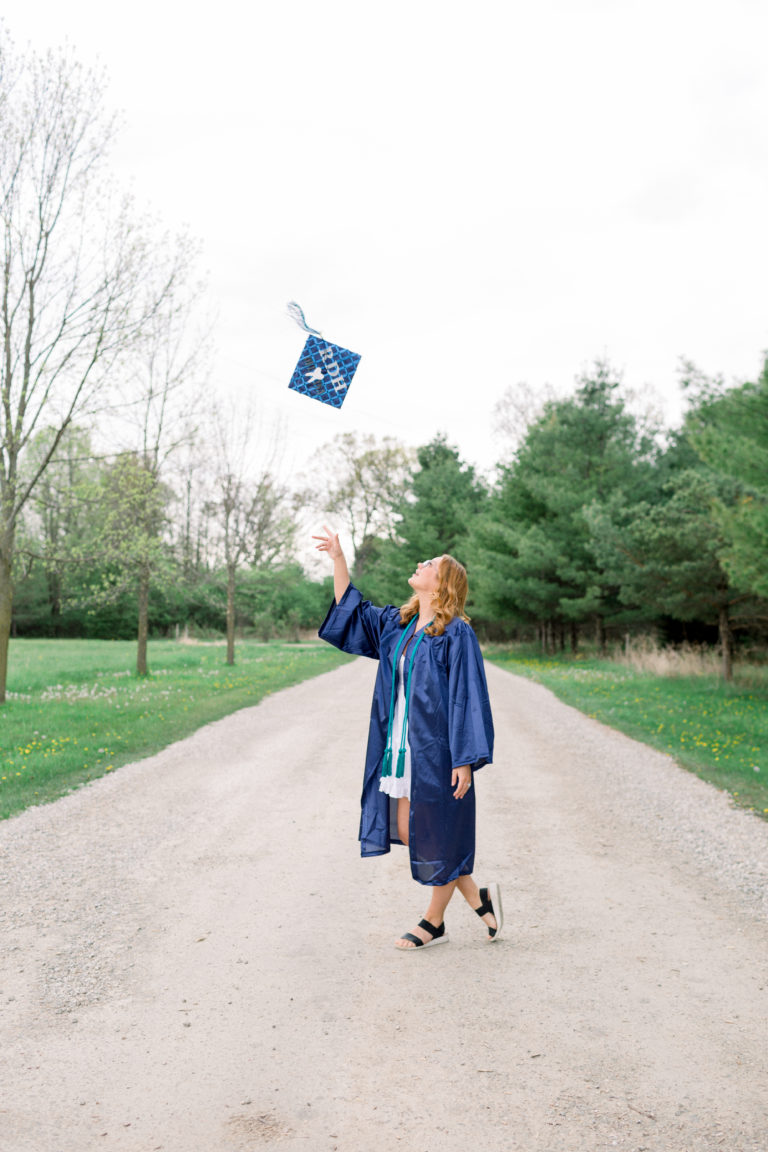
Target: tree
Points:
x,y
537,561
665,556
729,430
251,508
445,496
516,410
56,516
163,387
192,483
434,516
363,483
74,290
132,516
280,600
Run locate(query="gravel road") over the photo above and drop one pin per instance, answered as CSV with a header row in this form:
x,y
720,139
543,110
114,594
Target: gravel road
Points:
x,y
194,959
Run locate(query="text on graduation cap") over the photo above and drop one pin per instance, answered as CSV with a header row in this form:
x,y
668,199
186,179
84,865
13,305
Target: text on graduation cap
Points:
x,y
324,371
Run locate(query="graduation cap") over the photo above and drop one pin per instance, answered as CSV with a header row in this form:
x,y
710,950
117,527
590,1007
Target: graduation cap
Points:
x,y
324,370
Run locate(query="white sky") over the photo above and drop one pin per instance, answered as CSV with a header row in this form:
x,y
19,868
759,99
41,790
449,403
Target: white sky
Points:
x,y
467,195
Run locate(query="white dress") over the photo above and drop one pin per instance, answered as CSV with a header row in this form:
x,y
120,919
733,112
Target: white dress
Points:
x,y
397,786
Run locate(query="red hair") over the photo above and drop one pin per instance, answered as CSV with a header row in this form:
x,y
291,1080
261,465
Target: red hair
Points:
x,y
448,600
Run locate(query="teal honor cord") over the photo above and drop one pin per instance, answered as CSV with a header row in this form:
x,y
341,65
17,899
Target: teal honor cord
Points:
x,y
386,766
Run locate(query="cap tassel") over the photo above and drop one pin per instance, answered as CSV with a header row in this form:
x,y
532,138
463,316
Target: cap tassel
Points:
x,y
296,312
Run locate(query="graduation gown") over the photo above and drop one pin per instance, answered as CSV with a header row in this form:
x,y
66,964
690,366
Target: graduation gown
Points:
x,y
449,725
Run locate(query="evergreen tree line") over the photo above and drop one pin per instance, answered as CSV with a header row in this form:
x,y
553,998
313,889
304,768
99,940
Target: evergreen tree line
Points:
x,y
600,524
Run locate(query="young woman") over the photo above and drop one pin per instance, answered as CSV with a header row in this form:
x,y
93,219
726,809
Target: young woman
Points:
x,y
430,731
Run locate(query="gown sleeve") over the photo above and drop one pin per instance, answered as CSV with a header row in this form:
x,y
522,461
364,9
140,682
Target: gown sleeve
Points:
x,y
470,724
354,625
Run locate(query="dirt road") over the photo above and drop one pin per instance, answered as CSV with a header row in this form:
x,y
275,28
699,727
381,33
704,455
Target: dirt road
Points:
x,y
195,959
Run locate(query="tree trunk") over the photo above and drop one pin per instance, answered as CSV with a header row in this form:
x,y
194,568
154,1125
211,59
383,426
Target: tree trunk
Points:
x,y
230,613
141,654
574,636
726,642
54,599
6,605
600,635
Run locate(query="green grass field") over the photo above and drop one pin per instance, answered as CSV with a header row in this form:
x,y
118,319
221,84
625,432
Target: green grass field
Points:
x,y
719,731
76,710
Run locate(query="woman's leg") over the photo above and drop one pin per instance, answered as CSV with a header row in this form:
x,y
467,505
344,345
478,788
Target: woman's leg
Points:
x,y
403,818
440,896
434,914
471,894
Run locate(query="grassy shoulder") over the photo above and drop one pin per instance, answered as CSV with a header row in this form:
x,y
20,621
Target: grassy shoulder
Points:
x,y
719,731
76,710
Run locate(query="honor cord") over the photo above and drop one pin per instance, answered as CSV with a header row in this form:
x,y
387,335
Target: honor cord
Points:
x,y
386,767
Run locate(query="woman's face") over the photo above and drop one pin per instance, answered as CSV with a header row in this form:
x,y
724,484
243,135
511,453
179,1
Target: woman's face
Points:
x,y
427,576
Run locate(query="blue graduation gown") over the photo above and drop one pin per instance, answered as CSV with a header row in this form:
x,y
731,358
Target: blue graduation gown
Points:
x,y
449,725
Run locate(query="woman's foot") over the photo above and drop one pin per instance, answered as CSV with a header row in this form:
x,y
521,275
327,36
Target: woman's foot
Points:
x,y
489,919
490,910
424,936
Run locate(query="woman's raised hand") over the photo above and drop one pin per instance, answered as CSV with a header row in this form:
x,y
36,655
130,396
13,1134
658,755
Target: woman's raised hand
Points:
x,y
329,543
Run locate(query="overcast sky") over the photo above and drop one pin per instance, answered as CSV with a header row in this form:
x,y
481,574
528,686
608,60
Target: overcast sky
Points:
x,y
469,196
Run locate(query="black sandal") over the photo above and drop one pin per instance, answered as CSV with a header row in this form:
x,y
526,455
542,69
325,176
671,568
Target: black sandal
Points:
x,y
491,902
438,936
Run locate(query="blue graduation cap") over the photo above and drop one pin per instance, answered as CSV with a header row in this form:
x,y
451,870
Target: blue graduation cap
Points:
x,y
324,370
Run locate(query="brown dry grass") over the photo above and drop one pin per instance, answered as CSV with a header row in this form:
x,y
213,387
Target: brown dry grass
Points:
x,y
644,654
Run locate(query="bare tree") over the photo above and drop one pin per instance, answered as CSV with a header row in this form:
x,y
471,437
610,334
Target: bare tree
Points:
x,y
162,391
364,482
519,406
193,486
74,288
252,509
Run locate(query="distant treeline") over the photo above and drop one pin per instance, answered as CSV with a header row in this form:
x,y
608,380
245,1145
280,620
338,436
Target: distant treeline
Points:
x,y
195,540
275,603
599,523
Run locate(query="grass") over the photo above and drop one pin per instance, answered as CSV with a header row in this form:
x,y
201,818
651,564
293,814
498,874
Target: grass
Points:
x,y
717,730
76,710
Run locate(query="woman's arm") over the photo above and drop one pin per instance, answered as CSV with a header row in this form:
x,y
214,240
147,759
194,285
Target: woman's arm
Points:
x,y
354,625
470,725
330,544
